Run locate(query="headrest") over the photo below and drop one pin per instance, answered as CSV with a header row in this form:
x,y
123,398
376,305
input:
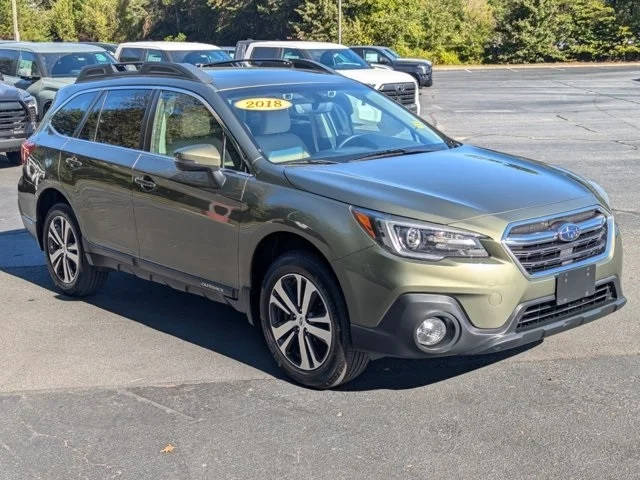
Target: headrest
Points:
x,y
276,121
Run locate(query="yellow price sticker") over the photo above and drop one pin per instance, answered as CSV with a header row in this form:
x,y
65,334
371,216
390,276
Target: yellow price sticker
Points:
x,y
417,124
262,104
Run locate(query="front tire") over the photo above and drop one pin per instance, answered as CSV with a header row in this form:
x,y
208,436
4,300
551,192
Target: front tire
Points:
x,y
68,267
305,322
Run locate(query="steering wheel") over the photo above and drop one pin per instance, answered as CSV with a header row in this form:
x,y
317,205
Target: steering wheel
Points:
x,y
351,138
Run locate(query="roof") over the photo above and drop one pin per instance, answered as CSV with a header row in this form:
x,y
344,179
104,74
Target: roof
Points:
x,y
54,47
297,44
227,78
170,46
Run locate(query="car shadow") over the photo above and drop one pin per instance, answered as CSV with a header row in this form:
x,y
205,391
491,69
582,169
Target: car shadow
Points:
x,y
5,163
221,329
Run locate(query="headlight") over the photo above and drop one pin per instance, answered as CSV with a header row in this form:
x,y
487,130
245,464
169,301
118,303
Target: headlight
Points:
x,y
424,241
422,69
601,191
29,101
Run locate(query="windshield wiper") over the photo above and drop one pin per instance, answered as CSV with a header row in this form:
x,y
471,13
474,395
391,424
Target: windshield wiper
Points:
x,y
309,161
394,152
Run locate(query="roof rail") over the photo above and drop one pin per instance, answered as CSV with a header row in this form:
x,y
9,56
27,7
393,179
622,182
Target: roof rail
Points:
x,y
301,63
159,69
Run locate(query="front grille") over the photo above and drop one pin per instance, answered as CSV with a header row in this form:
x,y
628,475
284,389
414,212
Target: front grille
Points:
x,y
538,248
14,118
549,312
403,93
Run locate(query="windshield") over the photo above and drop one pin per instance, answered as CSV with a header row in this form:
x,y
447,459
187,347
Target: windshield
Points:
x,y
392,53
338,58
70,64
327,122
200,56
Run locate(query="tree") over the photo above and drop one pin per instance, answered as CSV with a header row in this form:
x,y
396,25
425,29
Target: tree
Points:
x,y
528,31
62,22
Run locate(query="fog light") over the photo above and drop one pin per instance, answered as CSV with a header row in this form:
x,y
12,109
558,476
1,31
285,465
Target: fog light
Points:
x,y
431,331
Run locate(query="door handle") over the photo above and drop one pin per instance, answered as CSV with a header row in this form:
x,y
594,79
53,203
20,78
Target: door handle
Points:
x,y
73,162
145,183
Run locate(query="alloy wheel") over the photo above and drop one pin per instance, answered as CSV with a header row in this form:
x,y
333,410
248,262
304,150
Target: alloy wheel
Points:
x,y
300,321
62,248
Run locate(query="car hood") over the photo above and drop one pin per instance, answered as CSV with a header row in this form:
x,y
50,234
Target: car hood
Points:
x,y
9,93
58,82
377,76
444,187
413,61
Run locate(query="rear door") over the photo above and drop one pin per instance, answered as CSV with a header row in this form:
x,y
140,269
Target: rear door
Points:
x,y
187,224
97,167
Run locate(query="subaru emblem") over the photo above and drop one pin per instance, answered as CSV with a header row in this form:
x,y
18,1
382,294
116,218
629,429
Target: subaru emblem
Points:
x,y
568,232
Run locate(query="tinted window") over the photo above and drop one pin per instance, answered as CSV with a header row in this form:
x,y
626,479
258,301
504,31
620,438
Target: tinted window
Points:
x,y
8,61
156,56
131,55
338,58
120,121
181,121
67,118
265,52
200,56
88,131
70,64
291,54
28,65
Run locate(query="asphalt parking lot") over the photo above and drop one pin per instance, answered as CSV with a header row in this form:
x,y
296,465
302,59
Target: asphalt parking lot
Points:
x,y
97,388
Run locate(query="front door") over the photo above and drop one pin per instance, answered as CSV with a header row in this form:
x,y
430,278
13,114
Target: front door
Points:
x,y
187,223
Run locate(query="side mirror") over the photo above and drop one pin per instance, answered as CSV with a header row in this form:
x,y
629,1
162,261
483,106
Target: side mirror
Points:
x,y
201,158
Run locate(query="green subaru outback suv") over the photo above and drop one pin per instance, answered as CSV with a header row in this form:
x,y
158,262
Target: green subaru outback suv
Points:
x,y
343,225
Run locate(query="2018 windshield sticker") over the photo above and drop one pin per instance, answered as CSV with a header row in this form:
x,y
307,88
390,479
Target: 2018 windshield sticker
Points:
x,y
262,104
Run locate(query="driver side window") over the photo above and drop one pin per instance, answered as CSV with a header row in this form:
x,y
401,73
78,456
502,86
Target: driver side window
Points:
x,y
181,120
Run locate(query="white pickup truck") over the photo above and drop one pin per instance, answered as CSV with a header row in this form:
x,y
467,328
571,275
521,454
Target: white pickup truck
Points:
x,y
399,86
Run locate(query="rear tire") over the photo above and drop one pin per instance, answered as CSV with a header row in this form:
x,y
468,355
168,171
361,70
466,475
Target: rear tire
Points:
x,y
67,264
14,158
305,322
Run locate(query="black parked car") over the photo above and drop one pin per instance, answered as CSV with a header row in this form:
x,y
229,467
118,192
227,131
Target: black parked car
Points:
x,y
419,68
18,114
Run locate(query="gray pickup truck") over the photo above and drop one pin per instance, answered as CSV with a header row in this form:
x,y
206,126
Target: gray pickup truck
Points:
x,y
418,68
42,68
18,115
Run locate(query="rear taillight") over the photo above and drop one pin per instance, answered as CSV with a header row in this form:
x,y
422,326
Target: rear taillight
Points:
x,y
26,149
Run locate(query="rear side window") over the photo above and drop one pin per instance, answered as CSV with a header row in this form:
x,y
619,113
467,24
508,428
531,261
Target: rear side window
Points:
x,y
8,61
120,121
265,52
131,55
66,119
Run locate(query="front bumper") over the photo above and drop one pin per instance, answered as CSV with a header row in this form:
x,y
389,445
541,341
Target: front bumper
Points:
x,y
424,79
11,144
394,336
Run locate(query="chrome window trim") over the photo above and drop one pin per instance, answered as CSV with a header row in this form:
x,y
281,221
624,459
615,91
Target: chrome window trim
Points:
x,y
554,271
235,143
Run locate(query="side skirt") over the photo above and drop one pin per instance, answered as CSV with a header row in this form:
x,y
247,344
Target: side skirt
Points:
x,y
104,257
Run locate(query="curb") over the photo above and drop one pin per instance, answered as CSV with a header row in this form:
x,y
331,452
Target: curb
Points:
x,y
525,66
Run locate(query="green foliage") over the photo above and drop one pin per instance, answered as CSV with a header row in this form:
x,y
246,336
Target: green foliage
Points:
x,y
446,31
62,21
180,37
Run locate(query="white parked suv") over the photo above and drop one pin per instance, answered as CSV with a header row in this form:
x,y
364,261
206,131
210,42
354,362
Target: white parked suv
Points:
x,y
400,86
178,52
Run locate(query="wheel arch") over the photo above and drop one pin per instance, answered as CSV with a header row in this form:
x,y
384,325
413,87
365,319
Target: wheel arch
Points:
x,y
47,199
267,250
